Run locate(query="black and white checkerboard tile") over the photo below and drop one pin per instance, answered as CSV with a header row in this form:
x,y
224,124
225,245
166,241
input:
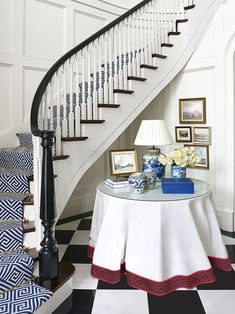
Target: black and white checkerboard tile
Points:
x,y
92,296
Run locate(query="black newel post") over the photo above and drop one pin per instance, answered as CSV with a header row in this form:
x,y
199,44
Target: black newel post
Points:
x,y
48,255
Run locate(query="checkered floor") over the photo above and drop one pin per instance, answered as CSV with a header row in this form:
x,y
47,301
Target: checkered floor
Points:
x,y
92,296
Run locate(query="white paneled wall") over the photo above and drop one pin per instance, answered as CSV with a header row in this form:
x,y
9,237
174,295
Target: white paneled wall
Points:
x,y
33,35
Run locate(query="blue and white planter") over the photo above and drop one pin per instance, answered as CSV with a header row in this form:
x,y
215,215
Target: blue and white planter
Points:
x,y
137,182
178,172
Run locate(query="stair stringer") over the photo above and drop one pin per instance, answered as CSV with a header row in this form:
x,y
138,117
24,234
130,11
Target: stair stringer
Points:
x,y
100,137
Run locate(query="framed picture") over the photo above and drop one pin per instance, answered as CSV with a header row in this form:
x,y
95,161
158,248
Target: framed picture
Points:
x,y
202,135
201,151
123,161
183,134
192,111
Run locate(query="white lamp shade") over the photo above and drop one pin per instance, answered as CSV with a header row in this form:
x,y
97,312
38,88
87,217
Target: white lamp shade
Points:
x,y
153,133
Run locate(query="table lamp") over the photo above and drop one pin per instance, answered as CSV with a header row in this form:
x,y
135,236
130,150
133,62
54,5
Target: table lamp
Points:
x,y
153,133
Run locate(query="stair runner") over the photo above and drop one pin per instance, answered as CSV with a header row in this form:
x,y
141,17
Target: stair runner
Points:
x,y
18,292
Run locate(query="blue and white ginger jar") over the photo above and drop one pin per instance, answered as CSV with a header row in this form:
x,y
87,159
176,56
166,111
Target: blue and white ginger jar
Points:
x,y
137,182
150,178
150,161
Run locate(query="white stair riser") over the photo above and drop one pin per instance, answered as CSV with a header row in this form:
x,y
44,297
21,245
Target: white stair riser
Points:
x,y
31,187
29,212
30,239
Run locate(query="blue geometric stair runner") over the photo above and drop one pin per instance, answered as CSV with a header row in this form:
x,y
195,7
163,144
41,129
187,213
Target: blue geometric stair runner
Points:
x,y
18,294
11,206
14,180
15,268
24,299
11,236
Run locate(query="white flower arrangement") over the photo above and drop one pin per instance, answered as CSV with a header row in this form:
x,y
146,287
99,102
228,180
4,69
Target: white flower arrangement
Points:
x,y
180,156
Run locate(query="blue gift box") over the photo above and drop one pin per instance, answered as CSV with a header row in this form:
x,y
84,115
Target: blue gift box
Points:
x,y
177,186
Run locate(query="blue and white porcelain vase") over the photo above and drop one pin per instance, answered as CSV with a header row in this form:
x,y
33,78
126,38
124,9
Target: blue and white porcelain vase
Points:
x,y
150,178
178,172
137,182
150,161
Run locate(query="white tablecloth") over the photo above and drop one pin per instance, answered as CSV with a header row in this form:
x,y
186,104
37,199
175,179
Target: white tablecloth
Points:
x,y
160,246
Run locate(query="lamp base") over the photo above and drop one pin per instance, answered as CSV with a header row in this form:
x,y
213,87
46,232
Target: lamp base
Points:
x,y
150,161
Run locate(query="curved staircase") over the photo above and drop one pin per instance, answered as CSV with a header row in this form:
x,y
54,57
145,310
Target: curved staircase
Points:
x,y
93,93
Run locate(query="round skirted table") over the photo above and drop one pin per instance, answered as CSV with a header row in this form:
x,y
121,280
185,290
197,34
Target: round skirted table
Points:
x,y
161,242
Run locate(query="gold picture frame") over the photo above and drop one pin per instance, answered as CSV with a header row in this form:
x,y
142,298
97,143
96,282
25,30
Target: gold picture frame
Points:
x,y
192,111
201,151
183,134
123,162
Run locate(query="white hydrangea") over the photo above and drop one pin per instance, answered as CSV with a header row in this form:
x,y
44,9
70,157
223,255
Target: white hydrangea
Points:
x,y
180,156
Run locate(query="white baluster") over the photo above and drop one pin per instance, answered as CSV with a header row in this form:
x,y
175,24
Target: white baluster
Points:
x,y
115,78
64,121
142,37
106,92
71,113
77,107
58,128
138,46
130,51
89,99
120,73
125,85
95,94
100,91
134,45
110,80
146,61
51,126
150,59
83,105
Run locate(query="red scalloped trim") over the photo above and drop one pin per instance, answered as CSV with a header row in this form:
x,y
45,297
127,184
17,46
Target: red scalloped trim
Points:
x,y
221,263
90,251
164,287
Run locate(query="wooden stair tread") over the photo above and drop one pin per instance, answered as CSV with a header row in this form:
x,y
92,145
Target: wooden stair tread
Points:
x,y
189,7
157,55
123,91
167,45
174,33
29,200
181,21
33,253
87,121
29,227
108,106
136,78
66,271
73,139
147,66
61,157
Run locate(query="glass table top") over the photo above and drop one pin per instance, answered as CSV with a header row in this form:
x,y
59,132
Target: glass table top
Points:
x,y
200,188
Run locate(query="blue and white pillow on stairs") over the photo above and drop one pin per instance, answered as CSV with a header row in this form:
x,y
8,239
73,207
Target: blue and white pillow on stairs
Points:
x,y
18,293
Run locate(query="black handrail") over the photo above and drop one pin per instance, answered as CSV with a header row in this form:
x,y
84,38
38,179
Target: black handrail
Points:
x,y
45,81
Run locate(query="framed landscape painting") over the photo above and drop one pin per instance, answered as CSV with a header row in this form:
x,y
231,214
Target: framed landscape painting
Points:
x,y
183,134
202,151
202,135
123,161
192,111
